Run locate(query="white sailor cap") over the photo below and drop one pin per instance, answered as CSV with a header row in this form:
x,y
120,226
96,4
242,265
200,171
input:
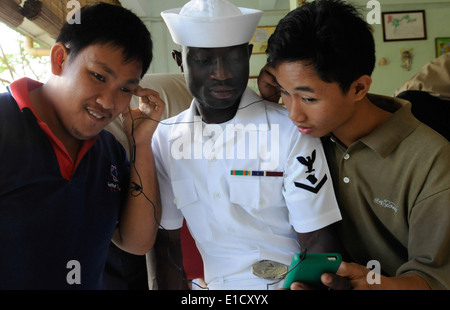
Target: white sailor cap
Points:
x,y
211,23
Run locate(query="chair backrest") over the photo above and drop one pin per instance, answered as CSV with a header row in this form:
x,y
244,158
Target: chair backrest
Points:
x,y
173,91
430,110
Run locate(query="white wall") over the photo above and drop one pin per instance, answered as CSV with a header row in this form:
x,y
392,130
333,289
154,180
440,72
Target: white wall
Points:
x,y
388,78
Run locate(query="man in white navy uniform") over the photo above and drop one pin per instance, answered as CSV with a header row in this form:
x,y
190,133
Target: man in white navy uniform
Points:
x,y
250,187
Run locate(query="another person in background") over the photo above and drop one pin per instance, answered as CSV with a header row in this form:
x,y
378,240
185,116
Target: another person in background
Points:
x,y
390,171
429,93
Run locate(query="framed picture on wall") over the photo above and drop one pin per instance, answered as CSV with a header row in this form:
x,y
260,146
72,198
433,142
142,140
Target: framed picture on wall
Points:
x,y
260,39
404,25
442,46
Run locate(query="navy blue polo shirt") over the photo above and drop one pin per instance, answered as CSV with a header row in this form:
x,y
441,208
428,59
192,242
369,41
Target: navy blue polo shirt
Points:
x,y
56,218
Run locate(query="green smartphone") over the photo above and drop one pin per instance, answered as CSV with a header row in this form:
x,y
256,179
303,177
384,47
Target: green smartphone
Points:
x,y
309,269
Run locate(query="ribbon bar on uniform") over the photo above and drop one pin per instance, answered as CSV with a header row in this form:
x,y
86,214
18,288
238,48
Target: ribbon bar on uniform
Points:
x,y
257,173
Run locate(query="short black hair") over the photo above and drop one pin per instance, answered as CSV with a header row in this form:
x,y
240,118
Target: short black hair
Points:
x,y
103,23
331,35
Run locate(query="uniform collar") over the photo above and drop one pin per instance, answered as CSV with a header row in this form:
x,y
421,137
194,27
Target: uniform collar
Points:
x,y
251,107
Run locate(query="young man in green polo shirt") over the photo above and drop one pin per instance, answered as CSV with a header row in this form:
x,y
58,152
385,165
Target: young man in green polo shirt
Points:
x,y
390,172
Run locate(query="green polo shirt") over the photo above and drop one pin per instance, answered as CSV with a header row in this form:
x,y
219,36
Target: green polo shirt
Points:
x,y
393,188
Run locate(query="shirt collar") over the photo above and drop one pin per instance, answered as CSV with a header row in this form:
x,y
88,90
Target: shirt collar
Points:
x,y
386,137
20,90
252,107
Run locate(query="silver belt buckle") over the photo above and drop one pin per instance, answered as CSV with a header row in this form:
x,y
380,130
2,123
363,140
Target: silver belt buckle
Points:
x,y
268,269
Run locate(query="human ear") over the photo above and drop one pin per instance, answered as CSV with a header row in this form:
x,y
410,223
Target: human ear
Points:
x,y
58,56
361,86
176,55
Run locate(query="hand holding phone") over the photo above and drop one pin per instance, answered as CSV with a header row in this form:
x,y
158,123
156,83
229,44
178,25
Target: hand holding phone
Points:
x,y
309,267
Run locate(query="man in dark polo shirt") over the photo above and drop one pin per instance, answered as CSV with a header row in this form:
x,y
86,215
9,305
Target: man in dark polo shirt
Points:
x,y
66,187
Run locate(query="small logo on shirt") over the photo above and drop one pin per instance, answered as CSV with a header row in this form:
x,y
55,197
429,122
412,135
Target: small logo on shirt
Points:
x,y
314,185
113,182
386,203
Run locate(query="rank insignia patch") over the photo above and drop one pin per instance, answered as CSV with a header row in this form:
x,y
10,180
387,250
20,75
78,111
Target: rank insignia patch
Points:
x,y
314,185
